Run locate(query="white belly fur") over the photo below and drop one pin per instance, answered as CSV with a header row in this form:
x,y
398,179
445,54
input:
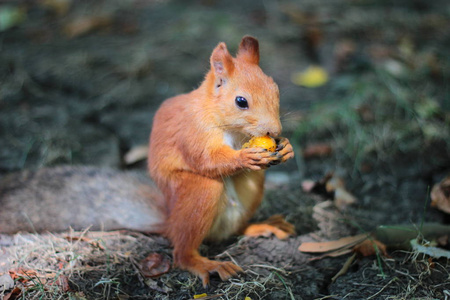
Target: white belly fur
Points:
x,y
232,216
234,212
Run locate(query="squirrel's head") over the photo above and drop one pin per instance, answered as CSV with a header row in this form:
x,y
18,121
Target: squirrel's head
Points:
x,y
248,99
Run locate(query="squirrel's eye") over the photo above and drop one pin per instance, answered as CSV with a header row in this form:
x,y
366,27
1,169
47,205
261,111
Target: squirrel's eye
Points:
x,y
241,102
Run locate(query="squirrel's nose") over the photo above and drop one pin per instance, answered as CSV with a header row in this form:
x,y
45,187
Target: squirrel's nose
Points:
x,y
270,127
274,130
273,133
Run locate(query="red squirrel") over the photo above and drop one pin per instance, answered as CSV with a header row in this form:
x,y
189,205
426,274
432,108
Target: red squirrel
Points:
x,y
208,187
211,186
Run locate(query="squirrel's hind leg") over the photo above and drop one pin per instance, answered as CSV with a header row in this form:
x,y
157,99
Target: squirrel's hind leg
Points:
x,y
196,203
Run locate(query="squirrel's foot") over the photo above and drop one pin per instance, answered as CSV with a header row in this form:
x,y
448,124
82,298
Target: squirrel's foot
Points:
x,y
202,267
276,225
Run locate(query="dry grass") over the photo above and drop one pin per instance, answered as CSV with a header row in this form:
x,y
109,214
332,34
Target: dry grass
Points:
x,y
106,265
100,265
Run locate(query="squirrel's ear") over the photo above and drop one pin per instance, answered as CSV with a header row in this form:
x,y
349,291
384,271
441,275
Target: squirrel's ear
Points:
x,y
249,50
222,62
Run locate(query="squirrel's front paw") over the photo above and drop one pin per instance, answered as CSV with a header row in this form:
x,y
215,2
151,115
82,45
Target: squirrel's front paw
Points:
x,y
256,158
284,151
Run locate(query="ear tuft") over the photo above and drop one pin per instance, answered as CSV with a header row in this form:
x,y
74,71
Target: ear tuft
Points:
x,y
221,61
249,50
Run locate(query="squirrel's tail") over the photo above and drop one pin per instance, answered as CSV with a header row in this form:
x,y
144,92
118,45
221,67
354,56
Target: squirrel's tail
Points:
x,y
54,199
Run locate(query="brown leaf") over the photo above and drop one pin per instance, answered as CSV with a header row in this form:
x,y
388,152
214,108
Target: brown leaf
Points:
x,y
14,294
257,230
93,243
322,247
317,150
440,195
22,275
276,225
336,253
154,265
367,248
280,222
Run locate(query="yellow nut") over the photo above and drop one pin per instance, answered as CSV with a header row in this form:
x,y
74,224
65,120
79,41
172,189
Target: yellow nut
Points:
x,y
267,142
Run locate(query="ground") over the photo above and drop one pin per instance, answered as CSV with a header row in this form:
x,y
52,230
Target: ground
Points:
x,y
81,80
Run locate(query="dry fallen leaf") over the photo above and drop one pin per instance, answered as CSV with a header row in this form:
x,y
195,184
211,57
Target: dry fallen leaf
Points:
x,y
154,265
280,222
276,225
29,278
92,242
359,244
367,248
256,230
336,253
440,195
322,247
14,294
22,275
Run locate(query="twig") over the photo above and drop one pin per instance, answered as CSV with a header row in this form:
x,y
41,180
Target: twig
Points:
x,y
382,289
270,267
344,268
231,257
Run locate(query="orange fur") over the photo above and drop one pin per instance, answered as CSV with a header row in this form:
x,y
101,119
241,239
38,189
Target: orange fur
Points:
x,y
212,186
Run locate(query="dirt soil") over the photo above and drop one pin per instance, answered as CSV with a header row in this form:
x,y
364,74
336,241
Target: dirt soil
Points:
x,y
81,81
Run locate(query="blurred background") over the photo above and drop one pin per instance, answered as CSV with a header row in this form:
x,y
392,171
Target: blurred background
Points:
x,y
364,83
